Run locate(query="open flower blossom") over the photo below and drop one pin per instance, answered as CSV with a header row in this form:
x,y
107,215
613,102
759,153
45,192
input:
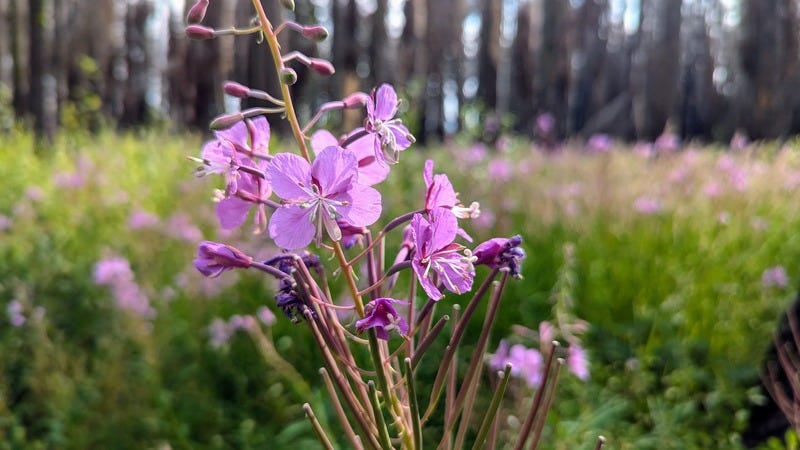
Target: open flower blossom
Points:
x,y
437,256
388,135
214,258
439,193
381,315
501,253
526,363
244,142
316,195
370,171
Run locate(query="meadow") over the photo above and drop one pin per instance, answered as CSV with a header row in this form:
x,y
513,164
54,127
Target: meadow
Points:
x,y
681,262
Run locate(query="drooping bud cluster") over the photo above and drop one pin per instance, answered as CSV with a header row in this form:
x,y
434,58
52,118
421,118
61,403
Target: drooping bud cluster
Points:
x,y
501,253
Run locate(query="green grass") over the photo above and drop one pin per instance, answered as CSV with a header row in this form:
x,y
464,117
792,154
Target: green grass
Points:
x,y
679,317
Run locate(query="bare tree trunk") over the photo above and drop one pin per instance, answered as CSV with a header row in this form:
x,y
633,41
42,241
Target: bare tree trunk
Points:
x,y
21,88
134,106
770,66
379,46
523,62
699,100
552,77
489,52
588,63
42,95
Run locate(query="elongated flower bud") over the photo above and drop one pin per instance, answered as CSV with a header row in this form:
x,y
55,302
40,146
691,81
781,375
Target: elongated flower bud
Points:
x,y
321,66
197,12
355,100
237,90
288,4
316,33
200,32
226,121
214,258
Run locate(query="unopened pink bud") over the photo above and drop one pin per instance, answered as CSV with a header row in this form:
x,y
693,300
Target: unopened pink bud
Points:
x,y
316,33
321,66
200,32
237,90
355,100
226,121
288,76
197,12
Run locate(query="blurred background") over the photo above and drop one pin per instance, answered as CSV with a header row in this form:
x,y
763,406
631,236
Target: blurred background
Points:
x,y
645,150
700,69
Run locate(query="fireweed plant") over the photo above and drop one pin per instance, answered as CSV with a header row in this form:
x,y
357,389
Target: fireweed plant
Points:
x,y
324,197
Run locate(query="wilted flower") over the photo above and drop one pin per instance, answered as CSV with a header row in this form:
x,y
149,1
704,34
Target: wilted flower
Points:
x,y
381,315
501,253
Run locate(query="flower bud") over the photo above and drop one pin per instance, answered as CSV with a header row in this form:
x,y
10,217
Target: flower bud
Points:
x,y
288,4
214,258
200,32
226,121
197,12
321,66
288,76
316,33
355,100
237,90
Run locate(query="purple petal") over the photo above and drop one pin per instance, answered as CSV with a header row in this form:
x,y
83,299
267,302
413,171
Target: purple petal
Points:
x,y
322,139
385,103
289,174
364,208
455,273
427,173
259,140
335,170
440,193
370,170
232,212
236,134
401,134
444,227
427,284
420,232
291,227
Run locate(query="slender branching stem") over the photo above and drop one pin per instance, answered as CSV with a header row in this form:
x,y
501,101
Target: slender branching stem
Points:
x,y
550,394
275,50
383,432
424,344
413,403
535,410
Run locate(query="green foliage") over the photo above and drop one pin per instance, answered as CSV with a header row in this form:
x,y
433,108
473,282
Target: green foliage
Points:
x,y
679,316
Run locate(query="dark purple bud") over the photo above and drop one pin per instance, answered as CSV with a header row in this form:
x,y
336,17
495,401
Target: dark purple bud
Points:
x,y
197,12
316,33
200,32
501,253
237,90
355,100
288,76
321,66
226,121
214,258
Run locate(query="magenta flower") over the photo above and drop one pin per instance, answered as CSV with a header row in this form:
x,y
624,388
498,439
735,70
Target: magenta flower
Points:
x,y
775,277
437,257
439,193
243,143
250,191
381,315
388,135
214,258
577,362
370,171
526,363
315,195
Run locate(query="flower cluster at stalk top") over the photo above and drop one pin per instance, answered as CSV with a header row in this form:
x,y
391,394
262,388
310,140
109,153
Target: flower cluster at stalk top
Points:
x,y
330,195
